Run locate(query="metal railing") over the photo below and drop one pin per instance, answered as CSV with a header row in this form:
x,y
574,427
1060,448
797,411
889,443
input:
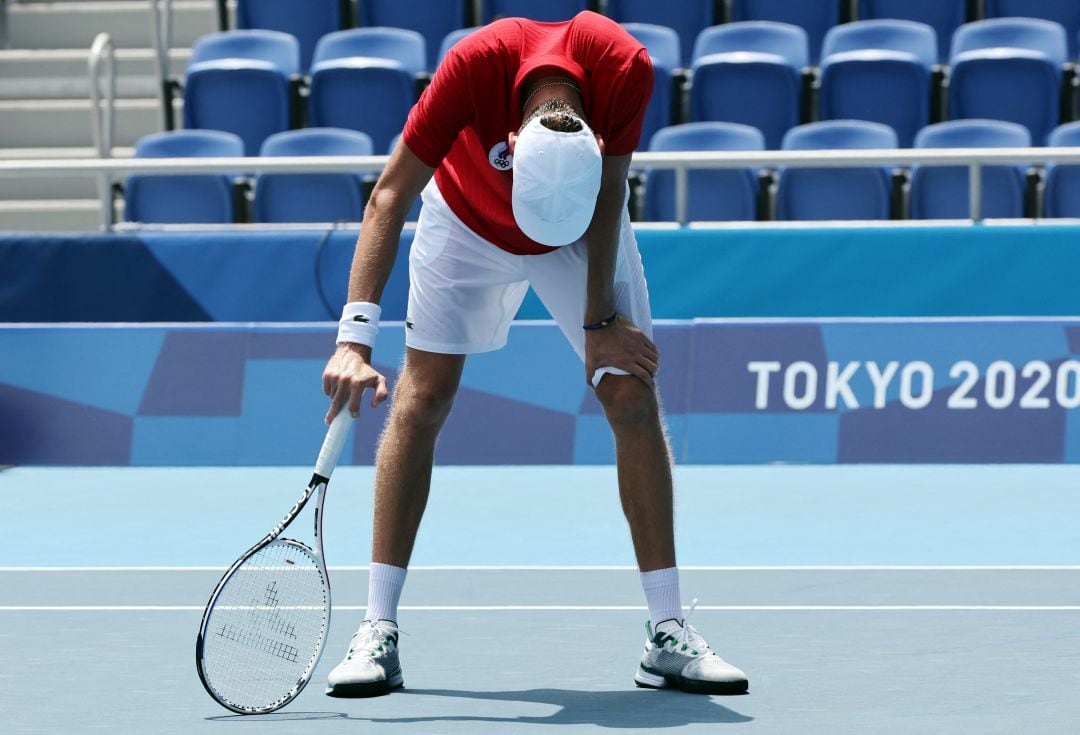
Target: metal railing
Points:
x,y
974,159
101,67
161,32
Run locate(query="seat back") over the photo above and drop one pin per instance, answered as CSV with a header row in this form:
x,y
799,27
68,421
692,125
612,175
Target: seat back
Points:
x,y
1062,195
280,50
836,193
941,192
1065,12
944,16
661,42
331,197
434,22
549,10
717,195
373,96
917,39
307,21
450,41
688,18
815,17
787,41
403,46
182,199
1033,34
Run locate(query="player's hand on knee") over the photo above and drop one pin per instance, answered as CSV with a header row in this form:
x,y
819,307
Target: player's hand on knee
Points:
x,y
348,374
621,345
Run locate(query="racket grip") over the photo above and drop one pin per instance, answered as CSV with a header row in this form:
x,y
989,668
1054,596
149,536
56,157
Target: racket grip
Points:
x,y
333,444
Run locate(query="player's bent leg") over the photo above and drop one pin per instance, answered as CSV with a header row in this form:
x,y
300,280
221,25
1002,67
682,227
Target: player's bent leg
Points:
x,y
371,666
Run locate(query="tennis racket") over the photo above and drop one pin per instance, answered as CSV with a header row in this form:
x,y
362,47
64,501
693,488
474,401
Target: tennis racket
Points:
x,y
263,630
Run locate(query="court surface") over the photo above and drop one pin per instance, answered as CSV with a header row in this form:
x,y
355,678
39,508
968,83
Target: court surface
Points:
x,y
859,599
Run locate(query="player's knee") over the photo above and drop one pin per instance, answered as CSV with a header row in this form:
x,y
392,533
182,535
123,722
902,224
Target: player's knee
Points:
x,y
626,400
423,406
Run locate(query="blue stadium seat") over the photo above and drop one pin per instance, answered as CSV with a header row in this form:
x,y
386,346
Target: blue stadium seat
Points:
x,y
414,211
448,42
1009,69
393,44
879,70
239,82
433,22
749,73
1065,12
311,197
1062,195
814,16
688,18
662,44
182,199
944,16
308,21
716,195
548,10
836,193
941,192
372,95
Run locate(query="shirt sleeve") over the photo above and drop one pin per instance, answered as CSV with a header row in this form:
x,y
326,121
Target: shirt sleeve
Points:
x,y
443,110
632,98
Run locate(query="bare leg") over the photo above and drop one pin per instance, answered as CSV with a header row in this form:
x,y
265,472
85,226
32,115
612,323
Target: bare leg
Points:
x,y
422,400
644,465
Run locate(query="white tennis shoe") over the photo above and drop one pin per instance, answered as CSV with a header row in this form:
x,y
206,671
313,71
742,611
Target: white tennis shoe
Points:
x,y
371,666
677,656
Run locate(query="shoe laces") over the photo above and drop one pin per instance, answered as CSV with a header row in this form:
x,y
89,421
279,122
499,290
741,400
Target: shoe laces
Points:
x,y
372,638
688,638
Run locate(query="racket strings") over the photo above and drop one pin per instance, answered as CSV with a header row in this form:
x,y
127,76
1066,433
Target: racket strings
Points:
x,y
267,626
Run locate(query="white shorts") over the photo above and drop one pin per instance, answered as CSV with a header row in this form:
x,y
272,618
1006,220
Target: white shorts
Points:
x,y
464,291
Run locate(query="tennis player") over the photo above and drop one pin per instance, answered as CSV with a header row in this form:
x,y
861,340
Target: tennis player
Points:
x,y
521,147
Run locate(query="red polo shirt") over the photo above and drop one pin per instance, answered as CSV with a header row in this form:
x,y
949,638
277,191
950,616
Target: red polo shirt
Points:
x,y
461,123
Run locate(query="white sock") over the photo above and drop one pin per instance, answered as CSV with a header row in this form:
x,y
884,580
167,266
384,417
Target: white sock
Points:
x,y
385,583
662,595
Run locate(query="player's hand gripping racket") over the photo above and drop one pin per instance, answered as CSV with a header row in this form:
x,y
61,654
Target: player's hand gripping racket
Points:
x,y
264,627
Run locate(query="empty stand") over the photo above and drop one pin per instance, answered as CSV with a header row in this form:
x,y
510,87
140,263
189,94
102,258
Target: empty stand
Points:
x,y
239,82
836,193
1065,12
941,192
713,195
1062,194
1009,69
548,10
665,105
335,197
750,73
879,70
308,21
688,18
433,22
183,199
944,16
401,45
813,16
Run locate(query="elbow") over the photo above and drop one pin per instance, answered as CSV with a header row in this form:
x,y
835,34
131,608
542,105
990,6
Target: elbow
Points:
x,y
386,204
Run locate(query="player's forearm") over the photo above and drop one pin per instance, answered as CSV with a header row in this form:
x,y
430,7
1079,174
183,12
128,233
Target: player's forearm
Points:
x,y
376,248
603,238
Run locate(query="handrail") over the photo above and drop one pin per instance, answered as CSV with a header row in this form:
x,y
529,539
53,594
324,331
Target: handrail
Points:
x,y
161,22
103,116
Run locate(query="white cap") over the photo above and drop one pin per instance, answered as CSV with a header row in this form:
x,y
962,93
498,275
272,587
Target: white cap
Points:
x,y
556,182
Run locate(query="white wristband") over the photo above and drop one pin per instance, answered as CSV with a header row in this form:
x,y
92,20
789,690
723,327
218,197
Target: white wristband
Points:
x,y
359,323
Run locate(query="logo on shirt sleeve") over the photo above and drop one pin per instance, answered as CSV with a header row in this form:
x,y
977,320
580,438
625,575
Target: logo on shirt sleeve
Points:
x,y
500,157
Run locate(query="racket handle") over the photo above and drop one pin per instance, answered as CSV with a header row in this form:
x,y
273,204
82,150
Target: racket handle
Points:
x,y
333,444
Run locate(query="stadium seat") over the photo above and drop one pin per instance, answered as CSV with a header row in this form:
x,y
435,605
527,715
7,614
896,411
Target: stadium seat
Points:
x,y
715,195
182,199
548,10
879,70
448,42
239,82
1009,69
688,18
662,44
371,95
941,192
749,73
814,16
433,22
307,21
1062,196
836,193
944,16
392,44
1065,12
414,211
329,197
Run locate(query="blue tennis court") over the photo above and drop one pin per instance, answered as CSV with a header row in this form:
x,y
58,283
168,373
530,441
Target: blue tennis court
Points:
x,y
896,599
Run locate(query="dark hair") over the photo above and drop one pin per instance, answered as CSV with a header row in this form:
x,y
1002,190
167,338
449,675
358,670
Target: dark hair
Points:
x,y
556,114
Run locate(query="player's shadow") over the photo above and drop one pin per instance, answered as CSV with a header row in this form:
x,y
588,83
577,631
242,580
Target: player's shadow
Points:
x,y
623,709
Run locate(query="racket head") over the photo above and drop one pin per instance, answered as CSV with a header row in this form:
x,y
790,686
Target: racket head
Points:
x,y
264,628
